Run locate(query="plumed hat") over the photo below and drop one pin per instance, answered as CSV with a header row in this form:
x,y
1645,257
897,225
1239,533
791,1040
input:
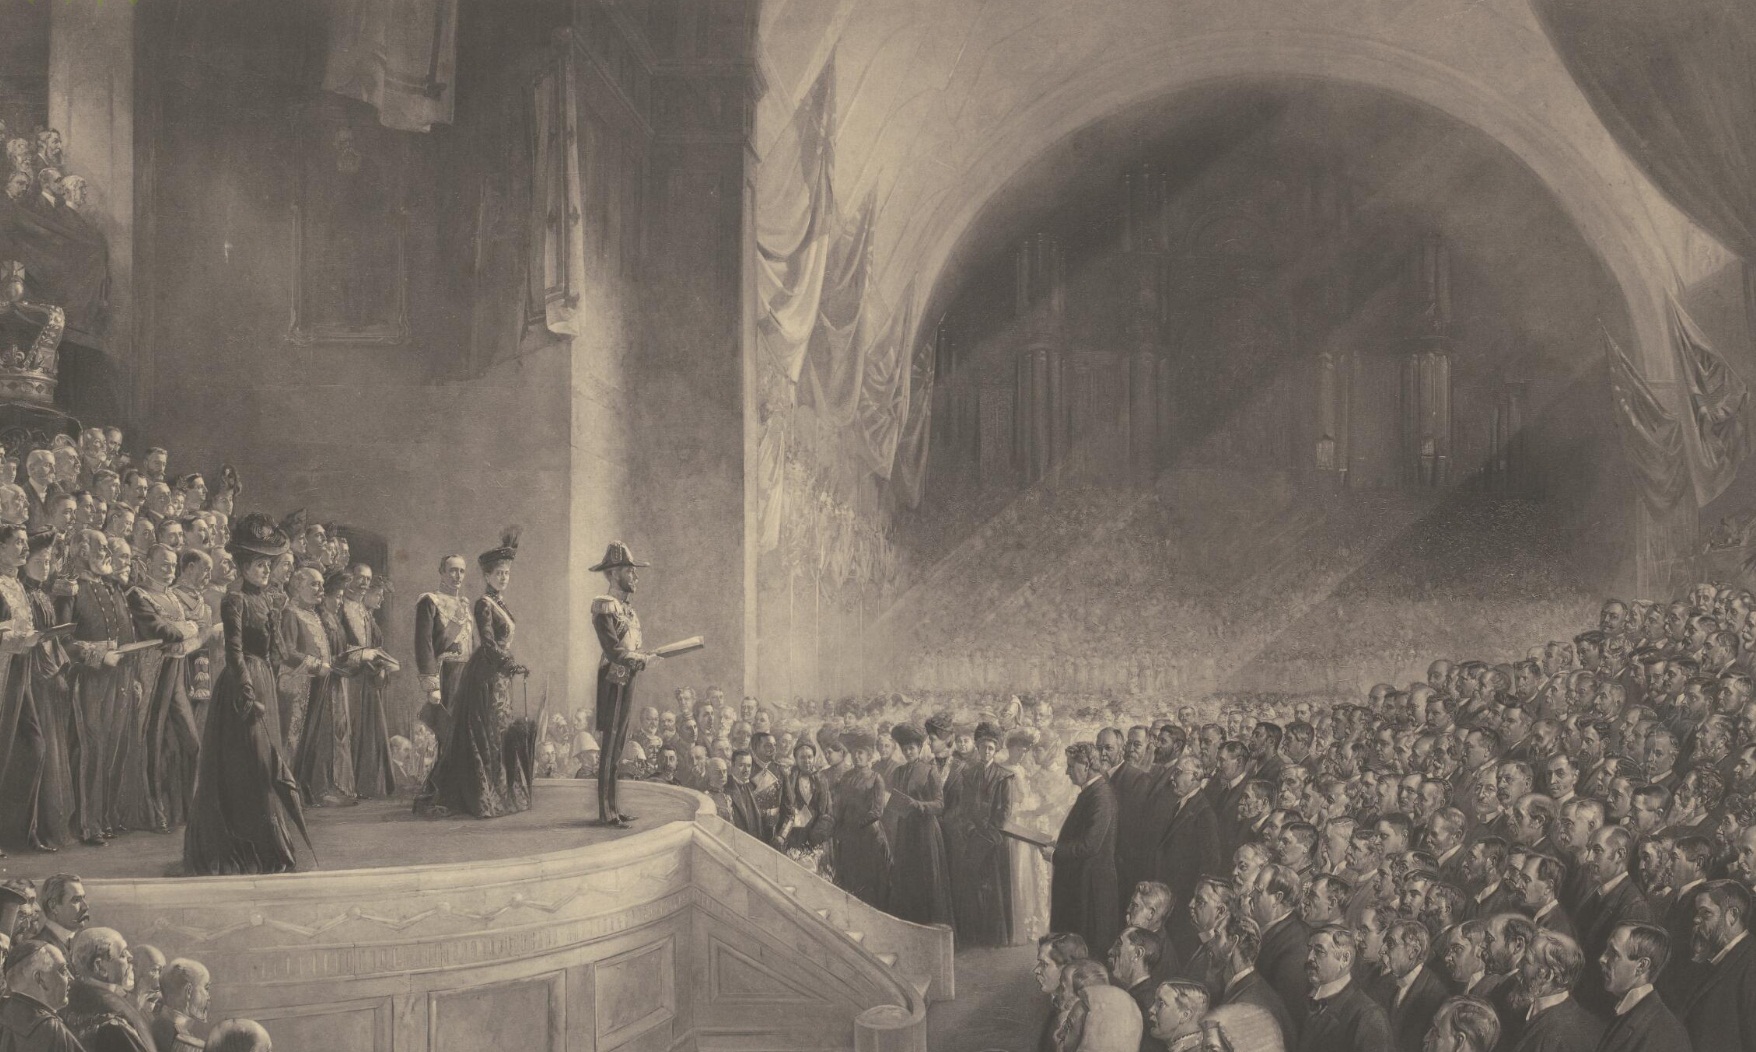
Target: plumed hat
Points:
x,y
990,732
505,553
40,539
256,534
859,738
615,556
940,724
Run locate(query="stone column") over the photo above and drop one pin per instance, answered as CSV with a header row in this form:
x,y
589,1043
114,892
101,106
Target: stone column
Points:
x,y
1144,249
1040,411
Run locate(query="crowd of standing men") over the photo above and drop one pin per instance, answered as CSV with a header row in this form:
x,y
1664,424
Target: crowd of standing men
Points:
x,y
1545,856
116,578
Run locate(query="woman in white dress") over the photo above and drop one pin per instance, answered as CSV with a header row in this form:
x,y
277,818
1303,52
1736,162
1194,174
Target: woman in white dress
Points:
x,y
1030,874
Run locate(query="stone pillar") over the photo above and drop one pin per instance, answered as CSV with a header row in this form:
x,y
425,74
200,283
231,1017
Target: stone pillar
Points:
x,y
91,102
1427,373
1040,409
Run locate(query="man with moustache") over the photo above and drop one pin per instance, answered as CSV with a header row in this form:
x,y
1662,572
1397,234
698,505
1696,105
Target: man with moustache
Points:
x,y
101,682
1188,848
1614,901
1214,903
100,1011
186,994
1554,1022
1240,984
1341,1018
1271,902
1463,952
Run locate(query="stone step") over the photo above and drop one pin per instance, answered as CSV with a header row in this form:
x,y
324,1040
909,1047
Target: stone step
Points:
x,y
919,984
823,913
789,889
857,936
889,959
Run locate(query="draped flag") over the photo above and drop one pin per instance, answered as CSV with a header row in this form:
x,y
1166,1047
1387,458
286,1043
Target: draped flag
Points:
x,y
557,243
398,56
1718,440
1652,437
884,391
835,361
910,472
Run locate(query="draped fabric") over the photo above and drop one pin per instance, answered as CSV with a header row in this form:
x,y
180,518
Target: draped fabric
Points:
x,y
66,261
1675,84
836,357
1652,436
1718,397
795,208
557,267
399,56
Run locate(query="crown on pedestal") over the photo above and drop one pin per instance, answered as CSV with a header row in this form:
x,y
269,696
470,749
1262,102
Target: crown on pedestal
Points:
x,y
30,340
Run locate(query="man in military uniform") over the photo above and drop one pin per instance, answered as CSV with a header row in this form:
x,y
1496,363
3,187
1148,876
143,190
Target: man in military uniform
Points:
x,y
185,997
618,628
101,687
99,1011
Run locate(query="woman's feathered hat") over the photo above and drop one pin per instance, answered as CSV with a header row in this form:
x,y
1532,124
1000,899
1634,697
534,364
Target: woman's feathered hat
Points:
x,y
505,553
256,534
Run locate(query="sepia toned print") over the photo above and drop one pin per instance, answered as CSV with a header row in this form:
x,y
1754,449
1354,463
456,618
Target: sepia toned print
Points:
x,y
885,525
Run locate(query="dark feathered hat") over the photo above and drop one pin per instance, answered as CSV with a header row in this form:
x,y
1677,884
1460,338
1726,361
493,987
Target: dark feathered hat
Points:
x,y
986,731
859,738
40,539
907,734
941,724
256,535
505,553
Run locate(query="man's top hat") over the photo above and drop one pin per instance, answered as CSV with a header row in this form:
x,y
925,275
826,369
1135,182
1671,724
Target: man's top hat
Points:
x,y
615,556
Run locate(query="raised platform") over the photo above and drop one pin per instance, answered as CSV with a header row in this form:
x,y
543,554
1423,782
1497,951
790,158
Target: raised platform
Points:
x,y
375,833
679,934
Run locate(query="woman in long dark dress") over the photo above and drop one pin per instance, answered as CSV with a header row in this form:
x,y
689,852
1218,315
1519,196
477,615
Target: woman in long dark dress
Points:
x,y
246,803
862,855
472,776
981,866
920,883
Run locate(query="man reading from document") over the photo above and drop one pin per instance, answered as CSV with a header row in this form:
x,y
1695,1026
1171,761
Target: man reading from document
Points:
x,y
618,628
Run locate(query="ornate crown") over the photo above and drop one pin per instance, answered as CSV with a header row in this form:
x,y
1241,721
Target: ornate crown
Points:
x,y
30,340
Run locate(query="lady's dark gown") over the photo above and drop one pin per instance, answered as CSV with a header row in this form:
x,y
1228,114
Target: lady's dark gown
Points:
x,y
981,865
246,803
373,774
920,878
472,776
862,856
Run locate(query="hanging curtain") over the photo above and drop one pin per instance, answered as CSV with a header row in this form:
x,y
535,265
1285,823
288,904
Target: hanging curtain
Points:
x,y
399,56
1652,437
1718,441
795,208
557,244
835,361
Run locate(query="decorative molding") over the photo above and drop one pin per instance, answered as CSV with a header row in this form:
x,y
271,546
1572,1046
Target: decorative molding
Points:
x,y
663,1008
557,1005
724,960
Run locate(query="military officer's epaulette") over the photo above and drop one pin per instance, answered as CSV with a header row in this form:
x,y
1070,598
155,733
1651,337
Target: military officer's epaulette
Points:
x,y
606,604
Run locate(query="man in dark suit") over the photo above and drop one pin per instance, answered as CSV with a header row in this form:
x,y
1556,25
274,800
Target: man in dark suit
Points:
x,y
1411,993
1149,908
1188,848
1137,832
1690,857
1539,884
1082,888
1632,961
1236,949
1341,1017
1554,1022
1463,951
1613,901
65,911
185,996
1225,791
1721,1013
746,813
1285,937
99,1011
1214,903
1133,961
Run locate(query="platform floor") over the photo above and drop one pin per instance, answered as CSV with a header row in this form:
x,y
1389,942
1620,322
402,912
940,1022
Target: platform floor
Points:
x,y
386,833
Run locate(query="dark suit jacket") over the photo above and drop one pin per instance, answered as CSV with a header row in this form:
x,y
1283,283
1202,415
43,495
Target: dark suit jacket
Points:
x,y
1597,918
1252,989
1082,890
1677,982
105,1021
1722,1012
1648,1027
745,814
1564,1028
1348,1022
1557,920
31,1026
1281,961
1409,1020
1188,849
